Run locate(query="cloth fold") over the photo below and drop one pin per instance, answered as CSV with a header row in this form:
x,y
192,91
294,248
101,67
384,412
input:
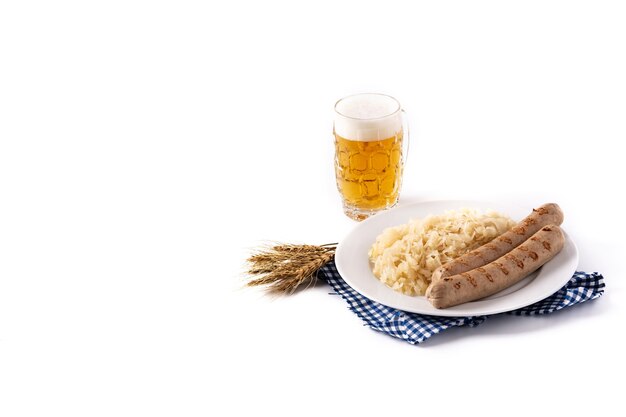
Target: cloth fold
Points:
x,y
416,328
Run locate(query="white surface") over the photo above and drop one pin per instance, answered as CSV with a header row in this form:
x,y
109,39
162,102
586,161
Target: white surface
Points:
x,y
352,261
145,147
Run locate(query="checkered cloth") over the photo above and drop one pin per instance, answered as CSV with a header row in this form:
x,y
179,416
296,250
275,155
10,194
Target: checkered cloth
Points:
x,y
415,328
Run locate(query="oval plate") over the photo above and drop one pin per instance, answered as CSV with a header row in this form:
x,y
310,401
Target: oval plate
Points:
x,y
354,266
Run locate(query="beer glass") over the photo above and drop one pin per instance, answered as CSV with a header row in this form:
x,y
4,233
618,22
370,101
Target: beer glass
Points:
x,y
370,130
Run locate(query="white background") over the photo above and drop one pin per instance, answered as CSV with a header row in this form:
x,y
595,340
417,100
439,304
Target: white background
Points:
x,y
146,147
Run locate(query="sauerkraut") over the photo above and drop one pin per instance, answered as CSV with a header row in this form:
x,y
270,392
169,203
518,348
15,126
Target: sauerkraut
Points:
x,y
404,257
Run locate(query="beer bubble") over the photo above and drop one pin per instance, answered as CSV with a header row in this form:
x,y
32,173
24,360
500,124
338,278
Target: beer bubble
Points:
x,y
367,117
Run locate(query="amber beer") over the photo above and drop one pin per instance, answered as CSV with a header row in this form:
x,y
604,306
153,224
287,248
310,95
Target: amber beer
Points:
x,y
368,153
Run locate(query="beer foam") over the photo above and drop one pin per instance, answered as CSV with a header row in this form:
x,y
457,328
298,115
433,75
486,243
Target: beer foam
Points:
x,y
367,117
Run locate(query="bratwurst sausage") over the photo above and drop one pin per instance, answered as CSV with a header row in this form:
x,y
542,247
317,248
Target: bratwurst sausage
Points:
x,y
547,214
499,274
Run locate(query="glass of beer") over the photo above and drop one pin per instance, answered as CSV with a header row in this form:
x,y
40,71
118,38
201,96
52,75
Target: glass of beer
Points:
x,y
369,130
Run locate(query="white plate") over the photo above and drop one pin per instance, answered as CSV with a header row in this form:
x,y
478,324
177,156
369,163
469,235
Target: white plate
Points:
x,y
353,264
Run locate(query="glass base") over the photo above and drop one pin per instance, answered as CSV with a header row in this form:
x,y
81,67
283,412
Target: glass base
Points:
x,y
360,214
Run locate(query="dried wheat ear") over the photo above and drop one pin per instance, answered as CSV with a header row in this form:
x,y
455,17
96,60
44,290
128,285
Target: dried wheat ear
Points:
x,y
285,267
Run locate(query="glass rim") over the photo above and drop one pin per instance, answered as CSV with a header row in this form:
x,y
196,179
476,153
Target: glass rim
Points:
x,y
399,107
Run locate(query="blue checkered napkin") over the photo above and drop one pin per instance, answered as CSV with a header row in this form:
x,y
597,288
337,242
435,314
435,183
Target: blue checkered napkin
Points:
x,y
415,328
580,288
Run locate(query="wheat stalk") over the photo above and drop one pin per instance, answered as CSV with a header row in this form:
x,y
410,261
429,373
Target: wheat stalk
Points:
x,y
285,267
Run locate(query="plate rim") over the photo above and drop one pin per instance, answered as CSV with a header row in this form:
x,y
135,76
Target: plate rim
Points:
x,y
570,251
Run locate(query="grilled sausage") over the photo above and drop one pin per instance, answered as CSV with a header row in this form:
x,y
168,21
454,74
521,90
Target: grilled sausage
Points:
x,y
547,214
499,274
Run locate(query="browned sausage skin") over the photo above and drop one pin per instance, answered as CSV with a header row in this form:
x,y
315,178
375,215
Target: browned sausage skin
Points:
x,y
547,214
500,273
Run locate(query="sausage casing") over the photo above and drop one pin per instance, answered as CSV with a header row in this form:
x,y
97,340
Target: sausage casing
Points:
x,y
542,216
499,274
